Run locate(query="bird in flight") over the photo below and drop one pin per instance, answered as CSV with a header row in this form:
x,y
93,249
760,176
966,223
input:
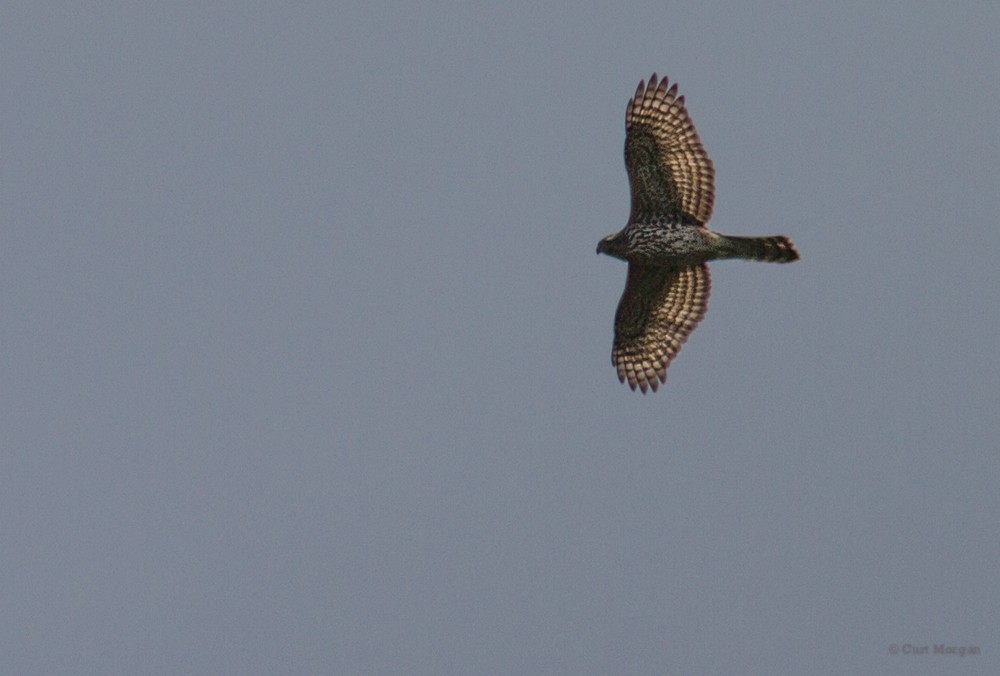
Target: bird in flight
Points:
x,y
666,242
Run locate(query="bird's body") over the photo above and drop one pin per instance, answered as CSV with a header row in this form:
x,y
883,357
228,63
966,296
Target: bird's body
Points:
x,y
666,242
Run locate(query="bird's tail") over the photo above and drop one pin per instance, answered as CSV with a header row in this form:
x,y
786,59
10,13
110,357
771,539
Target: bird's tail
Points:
x,y
776,249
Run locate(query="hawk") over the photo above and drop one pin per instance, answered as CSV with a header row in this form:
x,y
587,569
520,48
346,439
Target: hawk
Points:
x,y
666,242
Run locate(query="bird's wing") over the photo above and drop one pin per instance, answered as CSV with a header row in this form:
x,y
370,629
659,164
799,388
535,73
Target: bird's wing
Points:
x,y
668,168
659,309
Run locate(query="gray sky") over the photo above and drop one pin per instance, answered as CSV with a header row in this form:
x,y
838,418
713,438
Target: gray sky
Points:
x,y
306,350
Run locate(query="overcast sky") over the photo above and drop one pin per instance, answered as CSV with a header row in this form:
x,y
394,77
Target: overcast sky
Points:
x,y
305,350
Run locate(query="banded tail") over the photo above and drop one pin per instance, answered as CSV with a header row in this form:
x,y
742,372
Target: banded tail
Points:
x,y
776,249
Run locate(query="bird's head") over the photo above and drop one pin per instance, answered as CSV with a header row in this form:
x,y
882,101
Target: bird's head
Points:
x,y
612,245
